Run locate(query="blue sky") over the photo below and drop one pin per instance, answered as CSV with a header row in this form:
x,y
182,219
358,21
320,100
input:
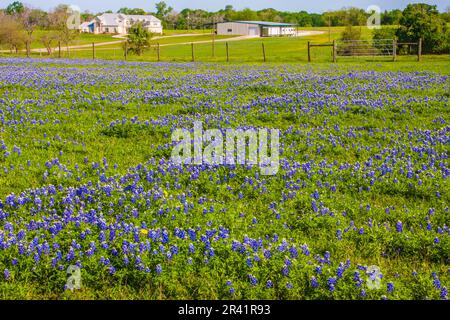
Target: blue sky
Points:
x,y
288,5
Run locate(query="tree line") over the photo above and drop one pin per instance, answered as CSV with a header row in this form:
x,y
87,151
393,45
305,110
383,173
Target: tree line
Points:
x,y
198,18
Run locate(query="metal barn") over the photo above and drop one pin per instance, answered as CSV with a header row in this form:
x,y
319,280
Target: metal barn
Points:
x,y
256,28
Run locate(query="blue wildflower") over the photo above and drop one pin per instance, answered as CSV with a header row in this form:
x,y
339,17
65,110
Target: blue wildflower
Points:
x,y
390,287
314,282
158,269
444,293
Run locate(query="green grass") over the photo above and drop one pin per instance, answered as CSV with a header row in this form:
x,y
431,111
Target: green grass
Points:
x,y
82,38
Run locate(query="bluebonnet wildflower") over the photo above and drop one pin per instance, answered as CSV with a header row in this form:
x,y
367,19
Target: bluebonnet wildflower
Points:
x,y
390,287
158,269
314,282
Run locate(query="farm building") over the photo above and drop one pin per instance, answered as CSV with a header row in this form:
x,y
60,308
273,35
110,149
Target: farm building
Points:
x,y
120,23
256,28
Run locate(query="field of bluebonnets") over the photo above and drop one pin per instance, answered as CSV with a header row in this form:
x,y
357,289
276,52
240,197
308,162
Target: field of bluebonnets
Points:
x,y
86,180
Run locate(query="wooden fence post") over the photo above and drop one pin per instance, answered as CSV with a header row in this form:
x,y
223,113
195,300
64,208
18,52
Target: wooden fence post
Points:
x,y
213,46
419,50
228,57
93,51
394,50
59,49
192,50
334,51
126,50
309,52
264,52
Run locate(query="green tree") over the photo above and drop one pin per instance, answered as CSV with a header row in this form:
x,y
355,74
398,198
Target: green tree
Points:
x,y
58,22
391,17
138,39
136,11
162,9
351,33
246,15
384,33
421,20
16,7
31,19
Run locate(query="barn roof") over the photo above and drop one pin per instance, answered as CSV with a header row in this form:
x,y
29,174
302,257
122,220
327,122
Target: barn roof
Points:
x,y
266,23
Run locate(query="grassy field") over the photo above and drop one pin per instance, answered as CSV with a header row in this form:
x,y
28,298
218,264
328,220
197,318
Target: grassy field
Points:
x,y
83,38
86,180
278,49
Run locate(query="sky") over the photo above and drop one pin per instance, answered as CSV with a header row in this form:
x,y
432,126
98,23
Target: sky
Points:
x,y
214,5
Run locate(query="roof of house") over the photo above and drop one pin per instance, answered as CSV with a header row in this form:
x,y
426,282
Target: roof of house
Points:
x,y
113,19
142,17
266,23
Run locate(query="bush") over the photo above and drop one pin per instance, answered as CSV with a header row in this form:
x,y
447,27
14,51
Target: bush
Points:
x,y
138,39
351,33
423,21
384,33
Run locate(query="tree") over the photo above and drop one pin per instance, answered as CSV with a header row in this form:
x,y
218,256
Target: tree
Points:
x,y
384,33
138,39
246,15
421,20
58,21
135,11
351,33
162,9
446,15
11,33
86,16
31,19
48,39
268,15
391,17
15,8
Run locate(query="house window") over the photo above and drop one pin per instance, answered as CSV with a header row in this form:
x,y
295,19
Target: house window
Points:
x,y
230,30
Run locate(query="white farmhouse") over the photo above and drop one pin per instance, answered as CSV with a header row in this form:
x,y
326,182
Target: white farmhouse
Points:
x,y
119,23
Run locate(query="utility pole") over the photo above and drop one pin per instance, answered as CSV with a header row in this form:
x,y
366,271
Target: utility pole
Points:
x,y
329,28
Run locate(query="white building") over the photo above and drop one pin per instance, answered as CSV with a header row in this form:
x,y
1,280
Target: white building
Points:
x,y
119,23
84,27
256,28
